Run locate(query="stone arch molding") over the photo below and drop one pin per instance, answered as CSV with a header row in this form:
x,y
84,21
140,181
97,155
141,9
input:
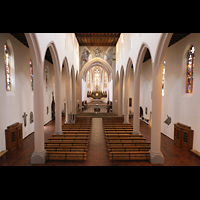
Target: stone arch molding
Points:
x,y
96,62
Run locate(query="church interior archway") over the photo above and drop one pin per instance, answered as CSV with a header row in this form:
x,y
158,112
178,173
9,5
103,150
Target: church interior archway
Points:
x,y
96,79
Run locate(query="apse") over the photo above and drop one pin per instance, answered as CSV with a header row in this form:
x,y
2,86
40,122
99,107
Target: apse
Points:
x,y
96,85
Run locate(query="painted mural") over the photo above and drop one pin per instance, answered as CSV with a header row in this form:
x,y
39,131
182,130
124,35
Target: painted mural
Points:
x,y
84,57
110,55
98,52
105,52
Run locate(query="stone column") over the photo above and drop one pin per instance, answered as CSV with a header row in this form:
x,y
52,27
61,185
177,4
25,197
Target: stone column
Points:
x,y
120,96
39,154
136,104
156,156
58,117
126,114
66,112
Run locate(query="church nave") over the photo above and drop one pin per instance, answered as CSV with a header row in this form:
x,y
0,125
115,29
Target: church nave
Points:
x,y
150,81
98,152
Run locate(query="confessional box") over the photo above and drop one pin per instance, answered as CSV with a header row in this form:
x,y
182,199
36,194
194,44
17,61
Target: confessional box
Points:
x,y
183,136
13,135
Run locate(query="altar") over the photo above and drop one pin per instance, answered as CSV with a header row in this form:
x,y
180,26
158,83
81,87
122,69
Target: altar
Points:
x,y
97,94
97,108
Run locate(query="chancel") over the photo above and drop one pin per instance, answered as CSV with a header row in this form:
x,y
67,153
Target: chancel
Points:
x,y
99,99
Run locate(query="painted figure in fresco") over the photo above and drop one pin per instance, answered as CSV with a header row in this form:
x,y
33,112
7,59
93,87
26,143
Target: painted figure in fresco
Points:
x,y
84,57
110,55
97,52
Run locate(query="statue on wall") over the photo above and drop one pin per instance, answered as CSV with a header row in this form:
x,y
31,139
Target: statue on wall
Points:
x,y
31,117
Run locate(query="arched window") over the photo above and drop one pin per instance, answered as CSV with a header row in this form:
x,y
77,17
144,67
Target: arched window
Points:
x,y
88,79
190,70
97,79
7,67
31,71
163,80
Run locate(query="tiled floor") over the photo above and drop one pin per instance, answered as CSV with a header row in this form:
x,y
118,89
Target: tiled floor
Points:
x,y
97,151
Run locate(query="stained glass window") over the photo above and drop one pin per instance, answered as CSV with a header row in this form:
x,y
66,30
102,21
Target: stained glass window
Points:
x,y
31,71
190,70
7,67
88,79
97,79
163,80
105,80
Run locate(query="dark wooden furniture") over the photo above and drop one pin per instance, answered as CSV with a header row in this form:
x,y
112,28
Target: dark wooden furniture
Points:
x,y
13,135
183,136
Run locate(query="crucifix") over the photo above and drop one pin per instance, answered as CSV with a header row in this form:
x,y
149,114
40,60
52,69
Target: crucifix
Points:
x,y
24,116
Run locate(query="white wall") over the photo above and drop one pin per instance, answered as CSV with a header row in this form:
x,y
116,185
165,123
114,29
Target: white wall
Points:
x,y
146,88
48,93
181,107
13,104
129,45
66,45
130,88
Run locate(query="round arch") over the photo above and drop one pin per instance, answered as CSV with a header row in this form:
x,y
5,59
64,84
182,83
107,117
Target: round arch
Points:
x,y
57,71
55,58
162,47
34,48
126,94
140,58
39,154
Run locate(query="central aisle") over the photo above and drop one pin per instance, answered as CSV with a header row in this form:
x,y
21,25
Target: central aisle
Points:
x,y
97,150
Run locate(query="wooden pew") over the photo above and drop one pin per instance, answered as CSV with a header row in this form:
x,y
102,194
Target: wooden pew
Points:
x,y
77,126
125,139
77,129
72,144
65,143
67,148
122,135
69,139
128,148
76,132
118,132
109,144
72,135
56,155
118,129
141,155
118,125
